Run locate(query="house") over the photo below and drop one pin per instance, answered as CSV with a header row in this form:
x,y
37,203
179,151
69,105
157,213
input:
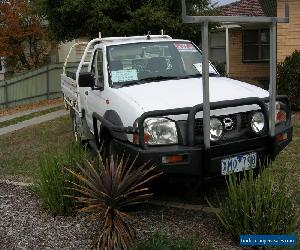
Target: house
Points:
x,y
244,50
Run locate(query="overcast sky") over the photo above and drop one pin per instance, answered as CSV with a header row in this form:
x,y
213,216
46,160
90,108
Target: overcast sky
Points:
x,y
222,2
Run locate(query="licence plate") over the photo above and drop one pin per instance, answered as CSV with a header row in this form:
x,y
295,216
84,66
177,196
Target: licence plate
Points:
x,y
238,163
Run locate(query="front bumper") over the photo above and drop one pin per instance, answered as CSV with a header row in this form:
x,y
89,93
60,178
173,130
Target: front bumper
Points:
x,y
202,162
199,160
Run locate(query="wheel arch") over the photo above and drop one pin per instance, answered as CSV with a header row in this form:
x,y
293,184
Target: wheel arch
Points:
x,y
113,117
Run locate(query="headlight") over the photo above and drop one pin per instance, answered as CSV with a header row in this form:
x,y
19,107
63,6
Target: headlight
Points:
x,y
257,122
216,129
159,131
280,115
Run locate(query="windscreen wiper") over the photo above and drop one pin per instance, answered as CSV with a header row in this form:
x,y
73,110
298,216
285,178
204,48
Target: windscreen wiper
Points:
x,y
127,84
200,75
158,78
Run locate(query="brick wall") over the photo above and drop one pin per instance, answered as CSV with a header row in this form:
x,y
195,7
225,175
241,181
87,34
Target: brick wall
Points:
x,y
238,69
288,35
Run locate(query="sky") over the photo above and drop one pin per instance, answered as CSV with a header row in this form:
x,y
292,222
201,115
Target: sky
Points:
x,y
222,2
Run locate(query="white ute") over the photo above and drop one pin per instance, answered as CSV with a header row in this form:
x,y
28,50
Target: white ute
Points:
x,y
143,95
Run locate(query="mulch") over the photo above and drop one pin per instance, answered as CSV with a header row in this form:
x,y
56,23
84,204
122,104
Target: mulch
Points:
x,y
24,224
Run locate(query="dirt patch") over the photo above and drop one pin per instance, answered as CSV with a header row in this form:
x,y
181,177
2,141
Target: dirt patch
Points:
x,y
179,224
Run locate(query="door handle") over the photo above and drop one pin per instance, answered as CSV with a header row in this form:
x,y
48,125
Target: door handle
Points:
x,y
86,93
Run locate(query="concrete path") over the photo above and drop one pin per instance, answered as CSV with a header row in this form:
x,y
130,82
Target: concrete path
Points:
x,y
4,118
33,121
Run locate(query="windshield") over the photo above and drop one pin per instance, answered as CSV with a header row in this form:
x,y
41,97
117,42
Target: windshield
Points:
x,y
139,63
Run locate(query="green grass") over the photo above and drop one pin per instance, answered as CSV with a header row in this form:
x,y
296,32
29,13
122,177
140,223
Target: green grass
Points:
x,y
28,117
258,205
52,179
162,241
20,151
288,162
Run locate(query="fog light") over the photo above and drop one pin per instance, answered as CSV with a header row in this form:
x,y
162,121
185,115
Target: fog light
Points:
x,y
172,159
258,122
216,129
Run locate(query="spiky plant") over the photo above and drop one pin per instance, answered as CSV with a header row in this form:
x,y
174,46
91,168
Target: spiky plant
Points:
x,y
108,190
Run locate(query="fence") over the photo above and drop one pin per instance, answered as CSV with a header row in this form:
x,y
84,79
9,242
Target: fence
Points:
x,y
33,86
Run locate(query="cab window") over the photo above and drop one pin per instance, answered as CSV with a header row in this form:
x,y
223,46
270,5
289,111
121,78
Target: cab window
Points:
x,y
97,67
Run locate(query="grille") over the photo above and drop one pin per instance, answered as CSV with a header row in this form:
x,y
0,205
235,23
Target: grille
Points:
x,y
198,127
245,119
240,120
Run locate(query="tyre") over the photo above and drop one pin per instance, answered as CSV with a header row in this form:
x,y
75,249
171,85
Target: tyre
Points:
x,y
76,129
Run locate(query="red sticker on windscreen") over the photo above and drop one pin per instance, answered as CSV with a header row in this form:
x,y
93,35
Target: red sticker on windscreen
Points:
x,y
185,47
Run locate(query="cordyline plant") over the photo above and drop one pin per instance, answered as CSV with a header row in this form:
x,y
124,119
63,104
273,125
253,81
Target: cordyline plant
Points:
x,y
108,190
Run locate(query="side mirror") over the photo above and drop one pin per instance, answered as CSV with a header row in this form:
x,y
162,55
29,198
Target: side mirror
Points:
x,y
86,79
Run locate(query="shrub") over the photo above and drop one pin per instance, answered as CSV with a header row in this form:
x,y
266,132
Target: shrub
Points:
x,y
108,189
160,240
257,205
288,77
51,178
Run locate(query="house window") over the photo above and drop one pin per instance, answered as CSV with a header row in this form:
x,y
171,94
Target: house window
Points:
x,y
256,45
218,50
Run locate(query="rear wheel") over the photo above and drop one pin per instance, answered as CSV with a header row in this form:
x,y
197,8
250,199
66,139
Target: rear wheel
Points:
x,y
75,129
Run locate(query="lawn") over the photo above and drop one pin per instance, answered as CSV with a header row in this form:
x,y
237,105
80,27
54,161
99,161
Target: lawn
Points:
x,y
288,161
19,151
28,117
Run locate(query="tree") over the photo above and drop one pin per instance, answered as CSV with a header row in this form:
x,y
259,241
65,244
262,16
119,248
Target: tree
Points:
x,y
22,35
69,19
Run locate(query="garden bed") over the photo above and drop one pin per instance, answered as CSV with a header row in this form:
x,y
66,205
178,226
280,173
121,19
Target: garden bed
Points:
x,y
24,224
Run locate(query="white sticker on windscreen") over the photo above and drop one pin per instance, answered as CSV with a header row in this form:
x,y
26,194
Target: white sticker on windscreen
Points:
x,y
185,47
125,75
